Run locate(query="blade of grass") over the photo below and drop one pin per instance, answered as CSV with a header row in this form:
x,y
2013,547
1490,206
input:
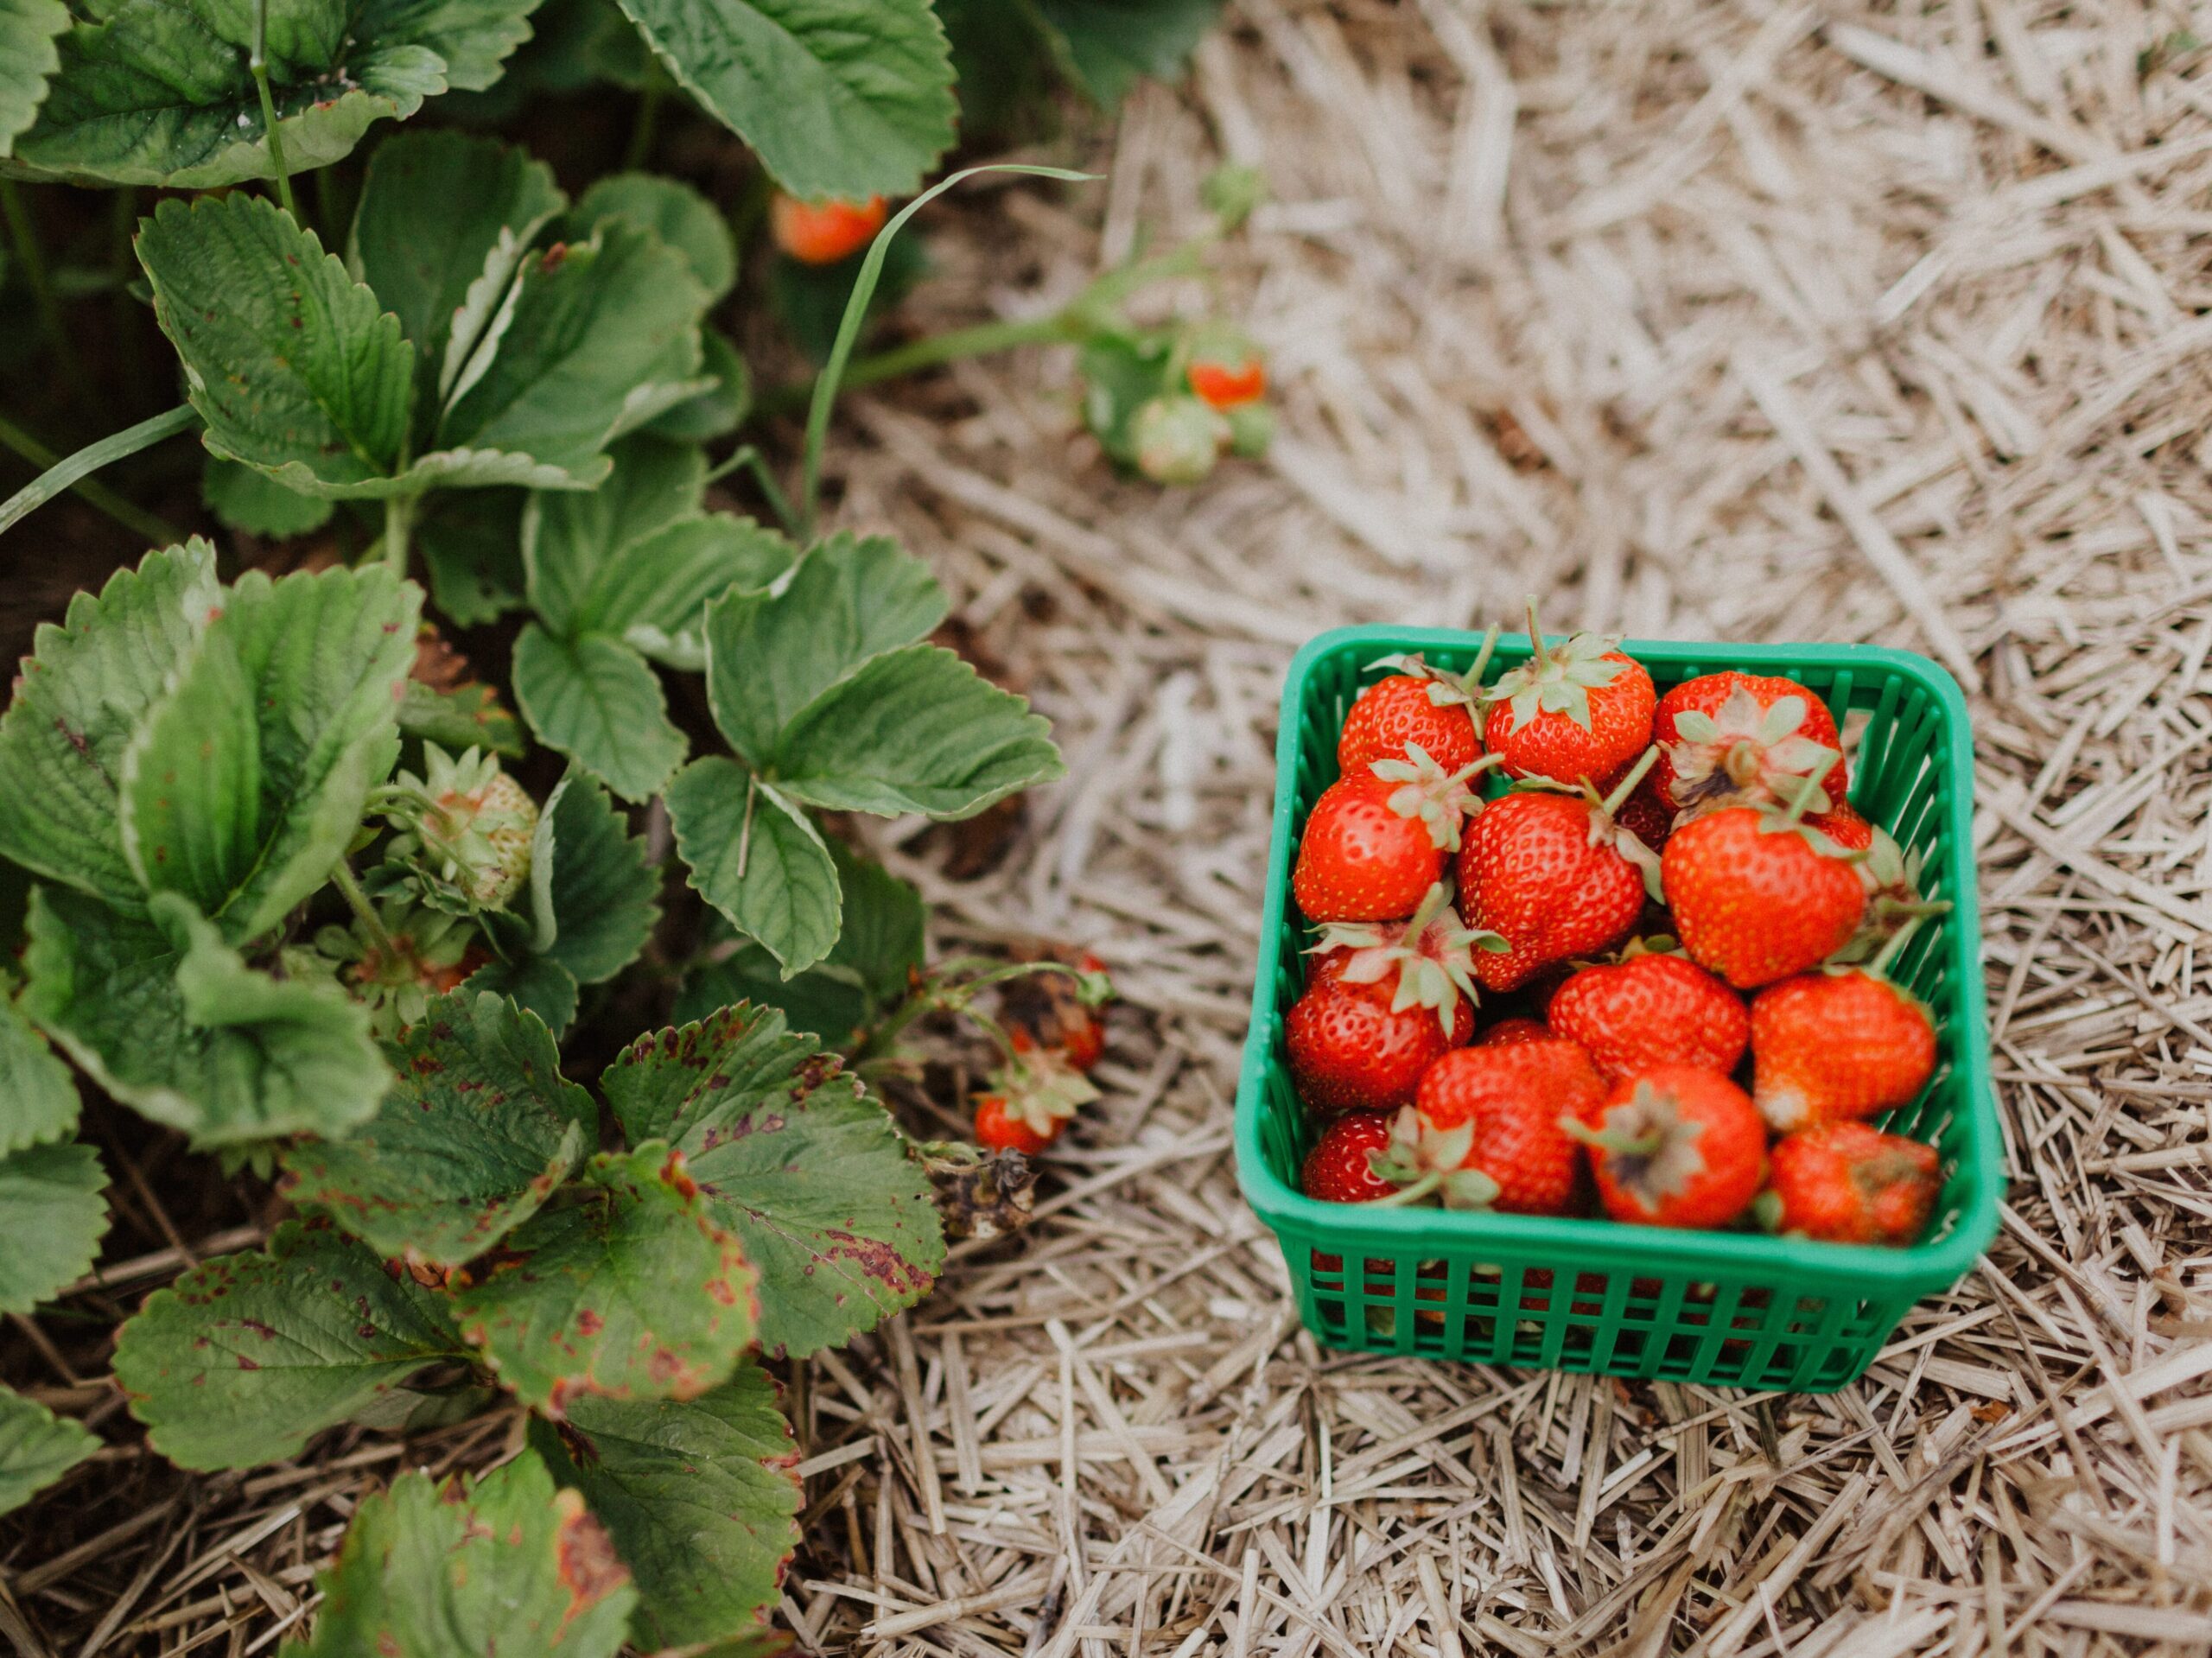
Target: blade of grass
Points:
x,y
72,472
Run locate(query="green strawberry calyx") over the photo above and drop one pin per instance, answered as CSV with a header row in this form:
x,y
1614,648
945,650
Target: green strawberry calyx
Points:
x,y
1559,678
1442,800
1744,751
1432,953
1040,1088
1424,1161
470,822
1445,688
1651,1149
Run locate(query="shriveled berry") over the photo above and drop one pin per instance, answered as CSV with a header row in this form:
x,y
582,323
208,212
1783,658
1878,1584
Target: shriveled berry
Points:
x,y
1850,1183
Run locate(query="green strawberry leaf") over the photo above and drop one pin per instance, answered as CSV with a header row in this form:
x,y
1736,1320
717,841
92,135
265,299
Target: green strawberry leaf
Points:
x,y
862,978
477,1131
248,1356
603,337
28,60
297,369
698,1496
78,699
623,1286
840,97
245,782
536,982
507,1564
1111,45
151,92
444,221
673,210
808,1171
598,703
654,596
167,1019
917,730
471,541
38,1096
52,1216
772,653
569,537
36,1448
711,413
756,857
592,890
468,716
256,504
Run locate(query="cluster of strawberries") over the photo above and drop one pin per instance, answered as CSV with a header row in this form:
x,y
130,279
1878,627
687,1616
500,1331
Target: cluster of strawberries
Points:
x,y
1053,1034
1721,805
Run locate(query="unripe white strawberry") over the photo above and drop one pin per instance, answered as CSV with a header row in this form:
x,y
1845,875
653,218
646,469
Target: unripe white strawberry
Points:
x,y
475,823
1177,438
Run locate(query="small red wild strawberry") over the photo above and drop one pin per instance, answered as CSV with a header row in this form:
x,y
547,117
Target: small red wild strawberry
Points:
x,y
1554,875
1845,1043
1674,1145
1375,841
1651,1009
1484,1130
1575,710
1850,1183
1745,738
1385,1000
823,233
1757,897
1419,705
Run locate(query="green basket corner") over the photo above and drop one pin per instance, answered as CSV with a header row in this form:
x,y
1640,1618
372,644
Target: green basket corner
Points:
x,y
1724,1309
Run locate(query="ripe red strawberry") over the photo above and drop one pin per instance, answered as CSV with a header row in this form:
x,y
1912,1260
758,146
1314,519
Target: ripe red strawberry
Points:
x,y
1507,1032
1578,709
1843,824
1032,1097
1847,1043
1674,1145
1754,900
1421,704
1061,1010
1747,738
999,1130
1651,1010
1385,1000
1486,1126
1554,875
823,233
1340,1169
1375,841
1646,814
1849,1183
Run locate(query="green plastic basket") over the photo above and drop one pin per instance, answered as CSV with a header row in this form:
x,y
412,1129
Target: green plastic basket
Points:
x,y
1729,1308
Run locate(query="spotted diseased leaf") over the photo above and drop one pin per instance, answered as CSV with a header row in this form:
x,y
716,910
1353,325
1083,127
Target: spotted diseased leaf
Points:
x,y
36,1448
169,1019
51,1216
248,1356
698,1495
758,858
623,1286
478,1129
79,698
795,1157
159,93
38,1096
840,97
507,1564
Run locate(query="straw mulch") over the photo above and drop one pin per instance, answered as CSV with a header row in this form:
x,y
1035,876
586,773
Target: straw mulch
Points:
x,y
1746,322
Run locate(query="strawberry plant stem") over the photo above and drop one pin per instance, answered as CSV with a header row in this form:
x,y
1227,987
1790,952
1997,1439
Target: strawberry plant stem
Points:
x,y
398,512
258,66
748,457
68,474
342,877
650,97
1810,787
156,532
1879,967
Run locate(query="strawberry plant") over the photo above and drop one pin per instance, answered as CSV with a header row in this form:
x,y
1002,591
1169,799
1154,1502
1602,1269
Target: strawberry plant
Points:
x,y
556,1008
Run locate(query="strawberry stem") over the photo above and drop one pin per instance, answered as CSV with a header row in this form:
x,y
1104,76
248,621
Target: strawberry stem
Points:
x,y
1412,1194
1879,967
1536,632
1473,677
1626,786
1811,786
1606,1139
